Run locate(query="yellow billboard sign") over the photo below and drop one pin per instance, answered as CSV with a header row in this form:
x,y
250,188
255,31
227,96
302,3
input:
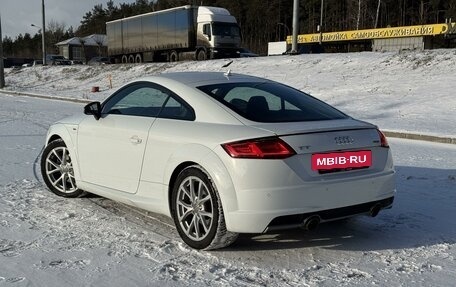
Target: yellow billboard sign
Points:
x,y
381,33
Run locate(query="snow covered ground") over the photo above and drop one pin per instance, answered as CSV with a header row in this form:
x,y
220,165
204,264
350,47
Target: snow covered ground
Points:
x,y
50,241
410,91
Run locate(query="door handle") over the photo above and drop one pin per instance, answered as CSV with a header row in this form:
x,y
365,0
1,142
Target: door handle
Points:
x,y
135,140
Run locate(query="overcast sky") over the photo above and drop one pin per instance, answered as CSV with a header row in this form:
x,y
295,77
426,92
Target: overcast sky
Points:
x,y
17,15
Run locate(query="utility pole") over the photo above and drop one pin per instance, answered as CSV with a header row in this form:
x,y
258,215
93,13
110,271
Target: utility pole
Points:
x,y
320,28
294,41
43,33
2,71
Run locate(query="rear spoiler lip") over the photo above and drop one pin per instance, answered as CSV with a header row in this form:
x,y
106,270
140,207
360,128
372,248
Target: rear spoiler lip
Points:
x,y
325,126
327,130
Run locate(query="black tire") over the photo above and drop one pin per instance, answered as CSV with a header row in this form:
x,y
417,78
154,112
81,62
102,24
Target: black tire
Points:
x,y
173,56
208,232
131,59
57,170
124,59
138,59
201,55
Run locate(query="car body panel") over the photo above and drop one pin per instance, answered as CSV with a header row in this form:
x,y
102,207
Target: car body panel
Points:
x,y
334,140
310,127
193,143
68,133
290,187
111,150
186,135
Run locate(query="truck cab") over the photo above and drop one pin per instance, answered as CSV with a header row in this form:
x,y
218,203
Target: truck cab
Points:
x,y
218,34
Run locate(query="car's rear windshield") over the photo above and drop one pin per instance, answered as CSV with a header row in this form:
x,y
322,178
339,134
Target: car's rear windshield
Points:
x,y
271,102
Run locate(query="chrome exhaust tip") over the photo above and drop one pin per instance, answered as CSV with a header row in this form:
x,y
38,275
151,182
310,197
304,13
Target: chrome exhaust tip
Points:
x,y
375,210
311,223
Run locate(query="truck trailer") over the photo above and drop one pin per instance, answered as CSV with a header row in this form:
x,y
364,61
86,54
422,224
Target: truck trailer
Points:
x,y
187,32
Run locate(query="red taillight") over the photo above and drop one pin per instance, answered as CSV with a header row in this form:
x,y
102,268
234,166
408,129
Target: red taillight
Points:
x,y
271,148
383,140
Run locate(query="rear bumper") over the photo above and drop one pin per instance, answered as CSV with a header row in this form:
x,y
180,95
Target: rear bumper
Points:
x,y
297,220
287,207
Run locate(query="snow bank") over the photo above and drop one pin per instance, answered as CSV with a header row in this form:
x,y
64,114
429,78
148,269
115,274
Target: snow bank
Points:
x,y
407,92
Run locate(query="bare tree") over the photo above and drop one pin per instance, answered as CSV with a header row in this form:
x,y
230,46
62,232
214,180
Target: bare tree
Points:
x,y
378,12
55,32
359,15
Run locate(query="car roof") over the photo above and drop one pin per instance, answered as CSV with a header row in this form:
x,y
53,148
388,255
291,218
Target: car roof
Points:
x,y
196,79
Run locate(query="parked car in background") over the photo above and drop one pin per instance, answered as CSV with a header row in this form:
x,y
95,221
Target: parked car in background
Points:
x,y
33,63
57,60
77,62
99,61
222,154
37,63
246,53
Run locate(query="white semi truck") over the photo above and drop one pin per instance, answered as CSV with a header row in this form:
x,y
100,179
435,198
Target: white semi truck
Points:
x,y
187,32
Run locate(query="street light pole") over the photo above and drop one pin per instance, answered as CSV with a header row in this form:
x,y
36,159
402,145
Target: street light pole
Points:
x,y
2,71
294,41
43,32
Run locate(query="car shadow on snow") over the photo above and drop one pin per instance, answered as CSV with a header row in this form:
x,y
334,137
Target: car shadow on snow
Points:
x,y
423,214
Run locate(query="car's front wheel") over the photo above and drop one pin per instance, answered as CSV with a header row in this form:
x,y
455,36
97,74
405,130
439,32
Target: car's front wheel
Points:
x,y
197,211
57,170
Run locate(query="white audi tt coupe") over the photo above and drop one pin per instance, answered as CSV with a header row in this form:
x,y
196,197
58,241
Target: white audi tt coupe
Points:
x,y
222,154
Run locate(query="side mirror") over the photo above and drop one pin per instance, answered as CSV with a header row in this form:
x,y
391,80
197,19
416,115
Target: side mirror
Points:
x,y
93,109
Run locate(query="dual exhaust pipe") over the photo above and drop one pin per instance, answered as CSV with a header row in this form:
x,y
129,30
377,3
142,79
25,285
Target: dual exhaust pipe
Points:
x,y
375,210
311,222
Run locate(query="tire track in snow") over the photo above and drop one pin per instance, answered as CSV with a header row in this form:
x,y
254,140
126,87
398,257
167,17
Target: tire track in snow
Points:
x,y
23,116
72,226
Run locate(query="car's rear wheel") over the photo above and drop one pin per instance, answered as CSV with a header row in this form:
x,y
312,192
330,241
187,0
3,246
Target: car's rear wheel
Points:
x,y
197,211
57,170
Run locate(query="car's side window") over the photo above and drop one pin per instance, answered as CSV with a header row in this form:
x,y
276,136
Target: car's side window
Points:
x,y
175,109
141,99
148,100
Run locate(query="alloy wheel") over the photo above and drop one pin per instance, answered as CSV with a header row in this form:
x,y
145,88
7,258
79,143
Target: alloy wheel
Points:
x,y
59,170
195,209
